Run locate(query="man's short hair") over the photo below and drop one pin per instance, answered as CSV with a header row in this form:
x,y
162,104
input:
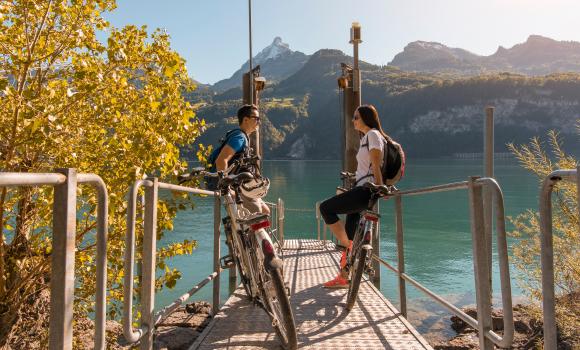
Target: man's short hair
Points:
x,y
245,111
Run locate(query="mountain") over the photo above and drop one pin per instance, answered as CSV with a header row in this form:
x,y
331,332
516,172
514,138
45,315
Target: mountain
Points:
x,y
435,57
537,56
277,62
431,114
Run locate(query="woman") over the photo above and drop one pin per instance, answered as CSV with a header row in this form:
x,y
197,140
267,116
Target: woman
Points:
x,y
369,159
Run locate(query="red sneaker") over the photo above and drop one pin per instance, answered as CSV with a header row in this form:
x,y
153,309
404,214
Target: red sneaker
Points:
x,y
337,282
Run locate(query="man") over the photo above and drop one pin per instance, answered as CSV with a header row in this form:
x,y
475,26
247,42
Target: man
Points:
x,y
236,144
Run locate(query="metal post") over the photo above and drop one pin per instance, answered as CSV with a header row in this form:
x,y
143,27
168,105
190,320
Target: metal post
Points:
x,y
547,256
487,195
352,100
63,261
480,256
251,76
401,255
281,216
216,254
317,210
102,231
578,188
149,255
376,243
547,262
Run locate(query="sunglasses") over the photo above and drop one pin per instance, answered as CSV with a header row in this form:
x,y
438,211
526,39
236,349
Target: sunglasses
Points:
x,y
355,117
257,118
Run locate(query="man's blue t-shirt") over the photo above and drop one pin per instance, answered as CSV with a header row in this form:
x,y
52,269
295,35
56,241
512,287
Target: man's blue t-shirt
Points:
x,y
236,139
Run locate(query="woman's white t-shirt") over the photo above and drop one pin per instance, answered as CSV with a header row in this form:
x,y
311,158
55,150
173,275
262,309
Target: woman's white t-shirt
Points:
x,y
363,157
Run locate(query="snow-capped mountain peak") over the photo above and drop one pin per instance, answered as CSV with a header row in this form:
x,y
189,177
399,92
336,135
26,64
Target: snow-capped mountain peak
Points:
x,y
274,50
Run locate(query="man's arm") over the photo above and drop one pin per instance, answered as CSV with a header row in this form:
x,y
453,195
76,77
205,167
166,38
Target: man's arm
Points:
x,y
223,158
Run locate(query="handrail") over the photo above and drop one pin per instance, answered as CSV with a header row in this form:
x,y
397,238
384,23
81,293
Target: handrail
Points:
x,y
102,232
547,250
480,261
30,179
149,319
62,266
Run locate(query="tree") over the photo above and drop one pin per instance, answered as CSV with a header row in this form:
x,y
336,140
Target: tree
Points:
x,y
68,100
566,229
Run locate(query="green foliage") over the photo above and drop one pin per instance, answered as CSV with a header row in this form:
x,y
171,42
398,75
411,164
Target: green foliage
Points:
x,y
68,100
566,224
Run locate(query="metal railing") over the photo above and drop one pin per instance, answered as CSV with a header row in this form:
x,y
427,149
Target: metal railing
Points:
x,y
65,182
149,319
547,250
277,213
481,255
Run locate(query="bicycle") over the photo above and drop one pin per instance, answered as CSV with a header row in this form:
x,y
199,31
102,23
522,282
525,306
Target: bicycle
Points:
x,y
254,254
359,258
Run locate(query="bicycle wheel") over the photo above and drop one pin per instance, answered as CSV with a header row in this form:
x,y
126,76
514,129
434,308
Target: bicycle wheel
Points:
x,y
235,253
278,304
355,278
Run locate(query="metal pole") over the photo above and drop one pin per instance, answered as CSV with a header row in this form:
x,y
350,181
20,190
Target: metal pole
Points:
x,y
63,262
547,256
547,262
487,195
281,216
251,77
401,255
480,256
317,210
149,255
102,231
376,243
216,254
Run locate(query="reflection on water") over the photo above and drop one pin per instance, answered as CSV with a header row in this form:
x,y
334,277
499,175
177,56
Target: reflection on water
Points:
x,y
437,233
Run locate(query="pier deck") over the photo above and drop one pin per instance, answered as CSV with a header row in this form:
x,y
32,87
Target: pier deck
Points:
x,y
321,320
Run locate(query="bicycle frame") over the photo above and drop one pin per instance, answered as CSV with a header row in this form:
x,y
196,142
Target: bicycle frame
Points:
x,y
254,245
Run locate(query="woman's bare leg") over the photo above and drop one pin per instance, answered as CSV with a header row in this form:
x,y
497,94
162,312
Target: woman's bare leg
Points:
x,y
340,233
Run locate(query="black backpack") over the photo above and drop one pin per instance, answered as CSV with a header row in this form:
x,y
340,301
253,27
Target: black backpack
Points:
x,y
393,167
223,141
211,182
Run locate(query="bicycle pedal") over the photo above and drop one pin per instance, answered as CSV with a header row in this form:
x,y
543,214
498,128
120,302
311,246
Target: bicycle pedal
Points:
x,y
226,262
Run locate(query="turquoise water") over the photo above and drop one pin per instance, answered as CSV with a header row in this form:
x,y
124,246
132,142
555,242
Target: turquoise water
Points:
x,y
438,251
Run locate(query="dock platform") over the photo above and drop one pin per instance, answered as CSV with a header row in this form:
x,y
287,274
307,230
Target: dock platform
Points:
x,y
321,318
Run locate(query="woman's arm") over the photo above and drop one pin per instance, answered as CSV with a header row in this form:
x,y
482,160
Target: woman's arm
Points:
x,y
376,158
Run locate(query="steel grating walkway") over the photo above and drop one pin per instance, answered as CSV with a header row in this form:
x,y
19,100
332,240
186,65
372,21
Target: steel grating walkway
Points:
x,y
320,318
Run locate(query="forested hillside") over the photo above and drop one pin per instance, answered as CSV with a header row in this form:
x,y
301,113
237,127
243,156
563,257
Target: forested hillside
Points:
x,y
430,114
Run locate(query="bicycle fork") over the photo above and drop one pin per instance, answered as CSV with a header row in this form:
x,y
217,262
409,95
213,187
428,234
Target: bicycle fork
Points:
x,y
371,219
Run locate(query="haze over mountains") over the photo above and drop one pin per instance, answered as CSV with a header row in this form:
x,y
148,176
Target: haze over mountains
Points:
x,y
433,103
537,56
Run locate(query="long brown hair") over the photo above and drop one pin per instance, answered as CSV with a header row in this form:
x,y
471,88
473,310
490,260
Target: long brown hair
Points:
x,y
370,117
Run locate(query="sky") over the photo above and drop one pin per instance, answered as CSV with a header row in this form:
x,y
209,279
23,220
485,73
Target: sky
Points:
x,y
212,35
